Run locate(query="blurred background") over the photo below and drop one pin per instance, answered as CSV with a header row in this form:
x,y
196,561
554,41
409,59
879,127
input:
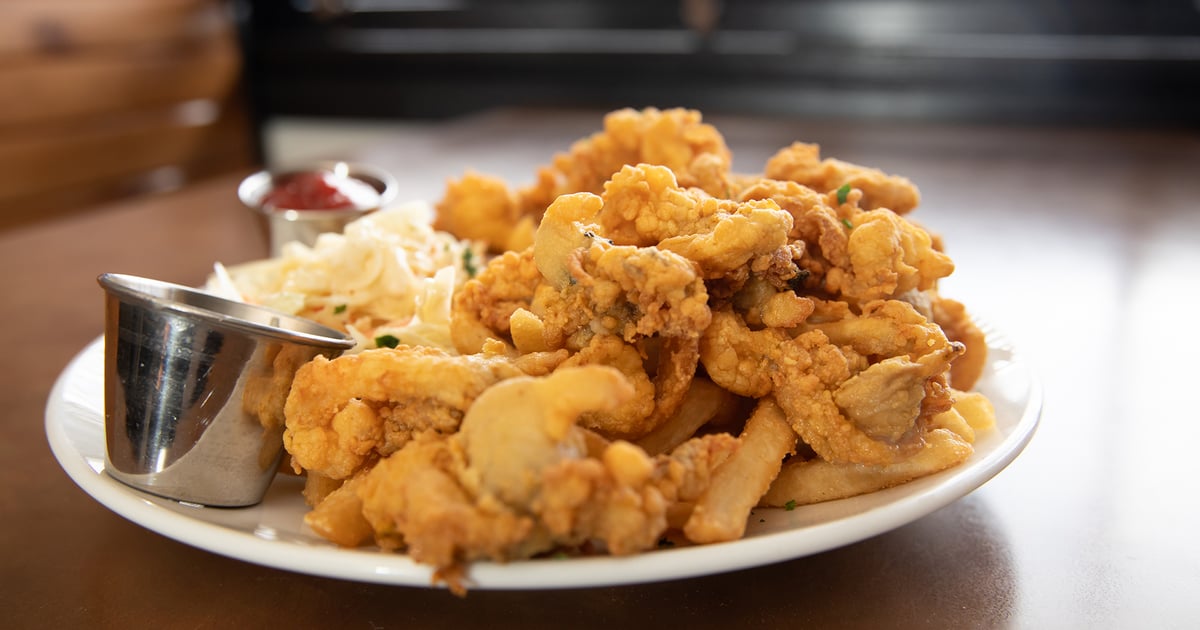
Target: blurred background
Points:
x,y
102,100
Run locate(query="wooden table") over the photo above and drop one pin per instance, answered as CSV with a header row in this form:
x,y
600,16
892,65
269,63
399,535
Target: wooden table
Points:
x,y
1084,246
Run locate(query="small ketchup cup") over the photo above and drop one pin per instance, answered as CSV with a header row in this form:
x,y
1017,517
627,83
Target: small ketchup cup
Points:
x,y
299,204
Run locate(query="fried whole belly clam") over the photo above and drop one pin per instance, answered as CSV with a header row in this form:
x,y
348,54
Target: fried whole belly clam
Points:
x,y
853,397
343,413
522,477
482,207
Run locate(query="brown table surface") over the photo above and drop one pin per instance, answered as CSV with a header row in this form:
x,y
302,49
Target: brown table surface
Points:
x,y
1083,245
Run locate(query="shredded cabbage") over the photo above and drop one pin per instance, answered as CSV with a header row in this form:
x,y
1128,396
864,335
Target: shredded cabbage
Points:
x,y
388,273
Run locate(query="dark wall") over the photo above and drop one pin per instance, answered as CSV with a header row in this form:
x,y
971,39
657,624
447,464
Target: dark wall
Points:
x,y
1102,62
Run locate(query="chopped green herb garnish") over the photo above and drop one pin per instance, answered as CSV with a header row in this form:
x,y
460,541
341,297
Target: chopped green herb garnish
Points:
x,y
339,309
468,259
790,505
560,555
842,192
387,341
848,224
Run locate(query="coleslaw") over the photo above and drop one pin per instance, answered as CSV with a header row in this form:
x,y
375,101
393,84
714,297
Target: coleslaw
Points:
x,y
387,279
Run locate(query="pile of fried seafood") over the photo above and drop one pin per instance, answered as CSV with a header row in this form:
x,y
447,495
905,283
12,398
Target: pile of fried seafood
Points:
x,y
656,346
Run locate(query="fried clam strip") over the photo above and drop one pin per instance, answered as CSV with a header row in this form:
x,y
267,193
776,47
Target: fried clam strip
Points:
x,y
802,163
517,479
946,444
850,399
343,413
854,254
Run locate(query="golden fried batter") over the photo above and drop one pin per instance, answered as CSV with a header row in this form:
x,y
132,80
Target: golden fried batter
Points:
x,y
856,255
480,207
619,289
952,316
518,479
644,205
820,227
629,420
802,163
415,500
888,257
674,138
857,398
650,300
483,307
738,359
341,414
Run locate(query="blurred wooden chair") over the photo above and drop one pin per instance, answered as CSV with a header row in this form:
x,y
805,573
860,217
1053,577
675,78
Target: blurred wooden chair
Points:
x,y
104,99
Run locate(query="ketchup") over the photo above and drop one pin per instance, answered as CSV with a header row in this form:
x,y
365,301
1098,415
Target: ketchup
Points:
x,y
308,191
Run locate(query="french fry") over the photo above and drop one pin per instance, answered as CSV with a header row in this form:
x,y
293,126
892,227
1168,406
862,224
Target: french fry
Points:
x,y
976,409
528,331
816,480
678,513
738,484
339,518
971,412
703,402
318,486
954,421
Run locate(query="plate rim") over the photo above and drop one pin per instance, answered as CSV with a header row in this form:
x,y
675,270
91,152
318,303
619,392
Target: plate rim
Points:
x,y
373,566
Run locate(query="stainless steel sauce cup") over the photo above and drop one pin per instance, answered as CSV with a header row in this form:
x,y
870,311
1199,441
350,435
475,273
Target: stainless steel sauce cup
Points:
x,y
194,389
284,225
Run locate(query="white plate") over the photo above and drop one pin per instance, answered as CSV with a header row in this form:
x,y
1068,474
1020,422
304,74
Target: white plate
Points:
x,y
273,533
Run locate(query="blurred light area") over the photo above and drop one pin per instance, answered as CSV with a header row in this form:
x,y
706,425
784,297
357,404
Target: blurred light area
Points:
x,y
1160,356
376,6
523,41
1152,479
982,46
160,180
197,112
1033,47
